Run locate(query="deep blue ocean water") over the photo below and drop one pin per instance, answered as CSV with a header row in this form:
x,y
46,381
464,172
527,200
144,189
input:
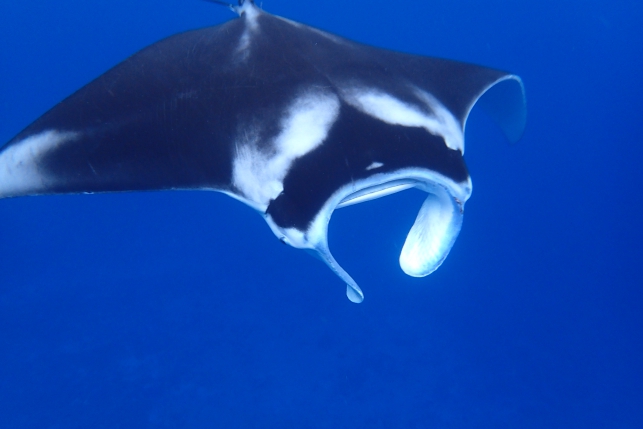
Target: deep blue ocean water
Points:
x,y
182,310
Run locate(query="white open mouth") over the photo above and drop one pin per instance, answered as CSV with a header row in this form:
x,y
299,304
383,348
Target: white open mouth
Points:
x,y
377,191
428,242
435,228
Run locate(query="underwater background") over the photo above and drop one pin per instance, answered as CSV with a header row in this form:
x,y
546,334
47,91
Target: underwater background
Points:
x,y
182,310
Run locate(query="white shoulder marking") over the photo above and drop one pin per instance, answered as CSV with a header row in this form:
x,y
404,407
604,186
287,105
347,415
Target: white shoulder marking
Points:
x,y
258,173
444,121
394,111
19,162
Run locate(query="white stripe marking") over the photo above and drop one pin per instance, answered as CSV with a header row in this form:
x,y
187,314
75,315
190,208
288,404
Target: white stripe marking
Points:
x,y
259,174
19,162
394,111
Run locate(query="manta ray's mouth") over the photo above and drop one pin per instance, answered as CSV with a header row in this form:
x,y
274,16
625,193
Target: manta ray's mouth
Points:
x,y
429,240
376,191
435,228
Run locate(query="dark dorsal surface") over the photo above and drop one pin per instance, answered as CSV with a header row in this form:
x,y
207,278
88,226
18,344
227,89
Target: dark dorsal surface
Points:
x,y
167,117
291,120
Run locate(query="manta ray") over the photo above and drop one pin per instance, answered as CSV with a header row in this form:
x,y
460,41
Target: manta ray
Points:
x,y
288,119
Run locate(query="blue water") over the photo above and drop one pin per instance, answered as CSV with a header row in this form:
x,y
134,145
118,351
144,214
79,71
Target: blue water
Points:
x,y
182,310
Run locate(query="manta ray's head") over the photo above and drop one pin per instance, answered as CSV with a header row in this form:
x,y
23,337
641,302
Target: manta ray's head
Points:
x,y
335,148
427,244
338,148
355,124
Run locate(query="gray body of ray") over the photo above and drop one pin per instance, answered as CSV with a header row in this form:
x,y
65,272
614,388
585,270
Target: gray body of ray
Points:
x,y
291,120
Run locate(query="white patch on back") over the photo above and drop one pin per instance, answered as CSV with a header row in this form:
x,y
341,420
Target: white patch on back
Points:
x,y
19,163
374,165
394,111
251,13
259,174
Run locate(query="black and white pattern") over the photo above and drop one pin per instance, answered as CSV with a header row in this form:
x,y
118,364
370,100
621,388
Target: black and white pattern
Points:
x,y
293,121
